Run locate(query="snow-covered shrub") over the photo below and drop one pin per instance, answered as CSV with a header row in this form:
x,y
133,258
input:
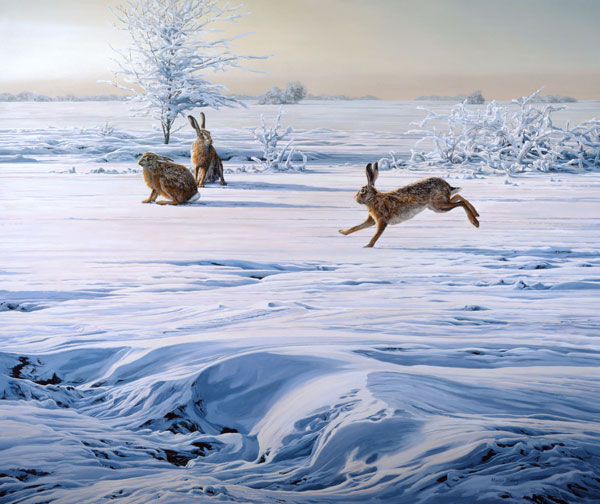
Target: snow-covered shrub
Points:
x,y
475,98
273,158
107,171
107,129
272,96
496,139
391,162
293,93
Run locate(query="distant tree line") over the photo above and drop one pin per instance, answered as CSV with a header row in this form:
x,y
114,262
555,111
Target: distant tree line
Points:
x,y
37,97
296,91
476,98
554,99
341,97
293,93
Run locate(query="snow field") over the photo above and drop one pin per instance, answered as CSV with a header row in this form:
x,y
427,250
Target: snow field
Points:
x,y
238,349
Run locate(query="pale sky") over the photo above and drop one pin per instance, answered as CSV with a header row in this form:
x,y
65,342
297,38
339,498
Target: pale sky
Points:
x,y
395,49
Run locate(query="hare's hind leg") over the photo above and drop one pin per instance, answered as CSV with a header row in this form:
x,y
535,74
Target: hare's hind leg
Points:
x,y
220,166
469,209
458,197
171,201
369,222
167,193
446,206
380,229
152,197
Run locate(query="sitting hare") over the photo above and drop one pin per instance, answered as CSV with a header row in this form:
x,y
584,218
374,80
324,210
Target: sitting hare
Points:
x,y
169,179
402,204
204,156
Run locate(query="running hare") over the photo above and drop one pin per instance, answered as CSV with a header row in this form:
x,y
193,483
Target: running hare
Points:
x,y
402,204
204,156
169,179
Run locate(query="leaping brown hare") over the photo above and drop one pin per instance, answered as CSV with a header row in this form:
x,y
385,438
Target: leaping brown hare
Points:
x,y
168,179
205,159
402,204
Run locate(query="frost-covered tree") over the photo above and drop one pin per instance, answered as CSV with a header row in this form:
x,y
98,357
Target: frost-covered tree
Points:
x,y
174,44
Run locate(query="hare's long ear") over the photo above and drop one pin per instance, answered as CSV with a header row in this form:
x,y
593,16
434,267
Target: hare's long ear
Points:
x,y
194,124
375,171
203,120
370,175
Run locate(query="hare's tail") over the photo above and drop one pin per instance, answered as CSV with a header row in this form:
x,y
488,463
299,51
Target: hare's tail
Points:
x,y
454,190
194,198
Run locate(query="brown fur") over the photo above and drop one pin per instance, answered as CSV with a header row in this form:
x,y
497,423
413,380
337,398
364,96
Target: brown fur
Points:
x,y
168,179
205,160
404,203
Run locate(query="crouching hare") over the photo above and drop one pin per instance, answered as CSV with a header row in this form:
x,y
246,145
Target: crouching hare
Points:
x,y
402,204
205,159
168,179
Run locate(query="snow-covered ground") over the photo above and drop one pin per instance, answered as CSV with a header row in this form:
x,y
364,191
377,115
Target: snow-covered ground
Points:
x,y
239,349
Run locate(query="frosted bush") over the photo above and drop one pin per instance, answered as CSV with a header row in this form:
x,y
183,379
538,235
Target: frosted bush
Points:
x,y
273,158
494,139
391,162
475,98
293,93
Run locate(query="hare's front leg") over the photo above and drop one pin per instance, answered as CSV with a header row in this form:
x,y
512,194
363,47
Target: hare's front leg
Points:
x,y
381,225
152,197
196,171
204,172
369,222
200,175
